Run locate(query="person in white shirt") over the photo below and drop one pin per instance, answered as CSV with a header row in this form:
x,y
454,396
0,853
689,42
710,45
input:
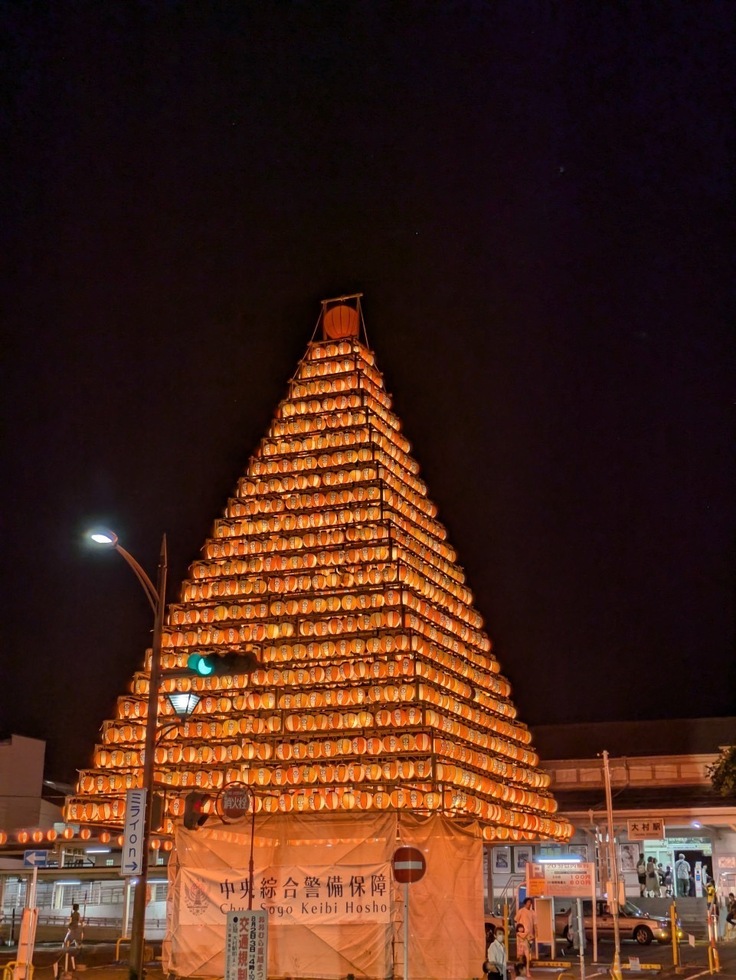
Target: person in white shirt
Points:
x,y
682,876
496,956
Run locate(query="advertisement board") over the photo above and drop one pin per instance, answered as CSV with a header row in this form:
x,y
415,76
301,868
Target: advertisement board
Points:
x,y
246,946
560,880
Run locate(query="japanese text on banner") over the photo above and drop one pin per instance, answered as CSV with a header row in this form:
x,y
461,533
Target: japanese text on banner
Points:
x,y
314,896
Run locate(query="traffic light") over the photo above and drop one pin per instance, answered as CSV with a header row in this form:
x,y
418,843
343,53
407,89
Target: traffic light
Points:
x,y
214,664
194,814
201,664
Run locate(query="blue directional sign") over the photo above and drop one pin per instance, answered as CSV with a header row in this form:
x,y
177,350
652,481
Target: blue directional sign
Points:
x,y
135,808
35,859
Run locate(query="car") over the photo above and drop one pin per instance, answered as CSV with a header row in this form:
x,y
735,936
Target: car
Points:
x,y
492,922
633,923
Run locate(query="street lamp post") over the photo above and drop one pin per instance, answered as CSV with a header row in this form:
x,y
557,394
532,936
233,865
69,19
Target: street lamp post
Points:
x,y
156,596
613,868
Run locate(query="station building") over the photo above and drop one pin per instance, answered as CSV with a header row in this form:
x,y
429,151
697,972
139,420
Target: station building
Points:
x,y
664,805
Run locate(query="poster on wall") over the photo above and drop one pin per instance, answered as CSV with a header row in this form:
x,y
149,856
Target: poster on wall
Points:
x,y
502,860
628,855
522,857
246,946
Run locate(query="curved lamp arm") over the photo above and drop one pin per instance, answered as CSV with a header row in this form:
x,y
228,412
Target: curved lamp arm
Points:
x,y
110,539
142,576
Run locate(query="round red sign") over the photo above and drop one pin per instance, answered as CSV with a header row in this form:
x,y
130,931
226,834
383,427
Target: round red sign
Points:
x,y
409,864
235,801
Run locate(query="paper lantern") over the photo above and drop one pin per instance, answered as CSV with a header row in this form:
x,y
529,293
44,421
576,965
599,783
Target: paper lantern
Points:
x,y
332,800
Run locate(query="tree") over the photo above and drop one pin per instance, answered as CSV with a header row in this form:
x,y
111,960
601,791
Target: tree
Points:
x,y
723,772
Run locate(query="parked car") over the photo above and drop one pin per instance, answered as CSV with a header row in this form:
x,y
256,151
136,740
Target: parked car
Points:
x,y
633,923
492,922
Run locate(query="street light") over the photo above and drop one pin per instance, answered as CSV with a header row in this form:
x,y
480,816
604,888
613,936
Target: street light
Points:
x,y
183,702
613,868
156,596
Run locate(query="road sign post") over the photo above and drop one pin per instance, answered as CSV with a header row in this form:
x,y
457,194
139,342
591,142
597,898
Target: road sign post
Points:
x,y
23,968
35,859
408,865
233,801
563,879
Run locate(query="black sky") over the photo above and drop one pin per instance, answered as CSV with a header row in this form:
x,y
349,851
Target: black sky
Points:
x,y
536,200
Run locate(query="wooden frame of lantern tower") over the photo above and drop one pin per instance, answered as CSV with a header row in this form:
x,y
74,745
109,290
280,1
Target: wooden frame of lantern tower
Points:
x,y
376,687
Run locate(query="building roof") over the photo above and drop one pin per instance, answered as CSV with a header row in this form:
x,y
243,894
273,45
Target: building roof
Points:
x,y
640,798
684,736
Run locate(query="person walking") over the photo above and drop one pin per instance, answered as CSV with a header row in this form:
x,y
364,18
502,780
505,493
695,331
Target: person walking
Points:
x,y
652,878
641,874
730,917
527,918
523,951
682,876
668,879
525,921
74,934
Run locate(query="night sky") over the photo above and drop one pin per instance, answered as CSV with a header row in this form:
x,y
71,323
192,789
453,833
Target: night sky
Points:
x,y
536,201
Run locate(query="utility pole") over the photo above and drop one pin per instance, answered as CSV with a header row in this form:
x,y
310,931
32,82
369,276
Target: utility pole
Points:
x,y
613,867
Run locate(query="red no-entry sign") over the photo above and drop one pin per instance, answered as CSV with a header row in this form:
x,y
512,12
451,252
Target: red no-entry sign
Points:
x,y
409,864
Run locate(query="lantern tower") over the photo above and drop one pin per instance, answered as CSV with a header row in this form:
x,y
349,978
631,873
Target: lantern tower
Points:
x,y
376,687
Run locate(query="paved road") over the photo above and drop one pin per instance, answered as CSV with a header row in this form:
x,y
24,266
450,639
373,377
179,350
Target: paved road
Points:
x,y
693,961
97,963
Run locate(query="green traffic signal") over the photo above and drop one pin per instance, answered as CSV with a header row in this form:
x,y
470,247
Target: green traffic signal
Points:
x,y
207,664
201,664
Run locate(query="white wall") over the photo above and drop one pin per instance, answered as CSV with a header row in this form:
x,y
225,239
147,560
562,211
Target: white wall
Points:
x,y
21,784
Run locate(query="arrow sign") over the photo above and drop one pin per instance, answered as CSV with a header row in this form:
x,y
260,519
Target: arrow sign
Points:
x,y
35,859
132,856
